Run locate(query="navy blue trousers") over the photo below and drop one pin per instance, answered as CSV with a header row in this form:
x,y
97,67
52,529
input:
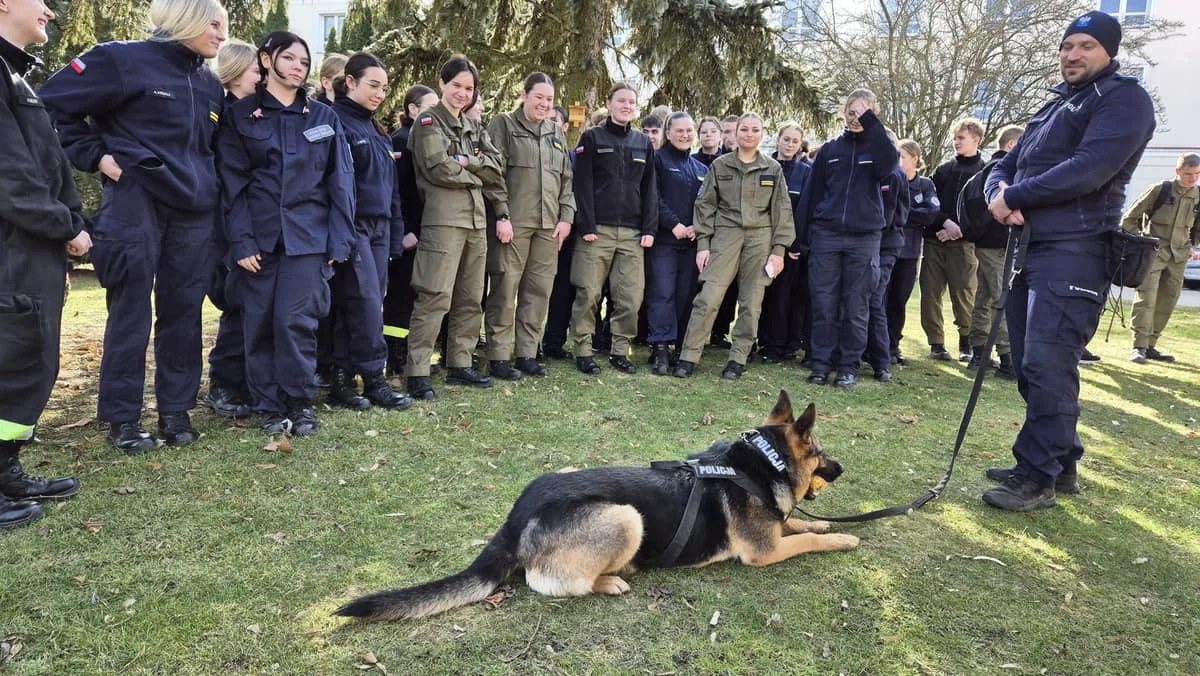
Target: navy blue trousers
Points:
x,y
1053,311
879,344
782,324
144,248
671,284
900,287
358,286
842,274
227,359
281,304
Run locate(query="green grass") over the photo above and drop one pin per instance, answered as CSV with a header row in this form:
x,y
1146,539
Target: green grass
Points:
x,y
222,535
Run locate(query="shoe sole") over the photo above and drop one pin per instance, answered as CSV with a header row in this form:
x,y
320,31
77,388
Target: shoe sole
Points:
x,y
1027,507
467,383
52,498
22,522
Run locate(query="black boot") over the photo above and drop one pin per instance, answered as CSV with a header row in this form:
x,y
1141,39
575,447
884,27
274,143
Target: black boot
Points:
x,y
660,360
530,367
176,429
622,364
18,513
938,351
420,387
964,349
1005,368
344,393
587,365
684,368
324,376
377,390
15,484
1063,483
227,402
1019,494
130,438
397,355
733,371
303,417
976,358
467,376
502,369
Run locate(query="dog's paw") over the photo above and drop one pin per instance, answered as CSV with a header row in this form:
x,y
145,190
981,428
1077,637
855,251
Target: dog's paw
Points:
x,y
840,542
611,585
819,526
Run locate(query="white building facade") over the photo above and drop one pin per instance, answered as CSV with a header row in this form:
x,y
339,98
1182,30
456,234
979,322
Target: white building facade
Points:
x,y
312,20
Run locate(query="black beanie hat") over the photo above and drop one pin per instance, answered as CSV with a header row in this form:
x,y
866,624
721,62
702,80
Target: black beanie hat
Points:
x,y
1100,25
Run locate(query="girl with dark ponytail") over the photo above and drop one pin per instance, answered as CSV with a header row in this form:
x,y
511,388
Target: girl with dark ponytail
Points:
x,y
289,211
359,284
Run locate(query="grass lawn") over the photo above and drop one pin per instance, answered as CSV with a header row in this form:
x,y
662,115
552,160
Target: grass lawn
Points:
x,y
225,557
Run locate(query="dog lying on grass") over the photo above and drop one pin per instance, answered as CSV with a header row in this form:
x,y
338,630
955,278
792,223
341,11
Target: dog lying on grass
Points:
x,y
575,533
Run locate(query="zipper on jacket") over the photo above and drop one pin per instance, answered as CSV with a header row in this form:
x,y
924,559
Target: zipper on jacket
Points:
x,y
849,182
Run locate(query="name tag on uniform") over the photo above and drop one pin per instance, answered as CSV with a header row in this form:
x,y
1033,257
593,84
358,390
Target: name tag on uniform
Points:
x,y
639,158
31,101
674,170
600,150
318,133
360,142
726,177
162,93
766,181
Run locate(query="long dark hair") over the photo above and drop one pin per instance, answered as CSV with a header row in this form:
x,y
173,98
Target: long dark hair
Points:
x,y
456,64
356,66
275,43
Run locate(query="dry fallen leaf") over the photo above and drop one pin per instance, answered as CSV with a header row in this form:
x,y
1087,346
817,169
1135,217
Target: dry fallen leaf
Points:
x,y
368,657
84,422
894,638
406,430
125,490
92,526
254,629
371,433
264,465
908,419
775,622
10,648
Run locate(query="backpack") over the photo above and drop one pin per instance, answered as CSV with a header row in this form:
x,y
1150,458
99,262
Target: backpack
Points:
x,y
972,207
1166,197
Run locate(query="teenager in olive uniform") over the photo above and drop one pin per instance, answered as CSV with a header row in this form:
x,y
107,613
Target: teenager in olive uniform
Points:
x,y
617,216
524,256
398,301
359,283
671,275
744,225
949,259
144,114
288,184
454,162
1173,219
41,221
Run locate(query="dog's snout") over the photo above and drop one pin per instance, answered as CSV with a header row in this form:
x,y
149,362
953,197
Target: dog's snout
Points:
x,y
829,470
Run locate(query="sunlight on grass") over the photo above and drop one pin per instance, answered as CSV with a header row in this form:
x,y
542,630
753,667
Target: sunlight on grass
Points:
x,y
1183,539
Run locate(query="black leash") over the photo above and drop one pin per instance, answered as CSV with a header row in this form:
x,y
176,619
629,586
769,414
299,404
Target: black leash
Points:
x,y
1014,258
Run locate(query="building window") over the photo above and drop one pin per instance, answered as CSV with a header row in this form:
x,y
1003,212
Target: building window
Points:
x,y
1128,12
331,22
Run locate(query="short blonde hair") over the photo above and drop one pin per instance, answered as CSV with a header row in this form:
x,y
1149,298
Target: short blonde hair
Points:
x,y
968,124
233,60
182,20
862,95
332,65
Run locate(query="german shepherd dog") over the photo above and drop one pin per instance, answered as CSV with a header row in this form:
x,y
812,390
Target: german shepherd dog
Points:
x,y
575,532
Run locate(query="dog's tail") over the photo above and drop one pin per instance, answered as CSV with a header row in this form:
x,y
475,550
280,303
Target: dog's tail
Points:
x,y
495,563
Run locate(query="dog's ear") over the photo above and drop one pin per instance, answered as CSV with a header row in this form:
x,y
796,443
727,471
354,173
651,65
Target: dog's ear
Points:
x,y
782,413
804,425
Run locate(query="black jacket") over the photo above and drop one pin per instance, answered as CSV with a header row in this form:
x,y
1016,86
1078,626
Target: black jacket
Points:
x,y
614,180
377,194
411,204
896,203
949,178
680,177
995,235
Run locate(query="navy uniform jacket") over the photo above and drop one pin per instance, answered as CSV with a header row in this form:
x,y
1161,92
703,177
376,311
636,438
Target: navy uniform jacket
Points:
x,y
153,106
614,180
411,204
705,158
377,194
896,202
844,197
796,173
679,176
1068,172
287,176
924,207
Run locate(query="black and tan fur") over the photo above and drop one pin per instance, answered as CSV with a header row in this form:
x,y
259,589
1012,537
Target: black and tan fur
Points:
x,y
576,533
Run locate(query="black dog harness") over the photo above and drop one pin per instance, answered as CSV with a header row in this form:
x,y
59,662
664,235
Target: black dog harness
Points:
x,y
713,471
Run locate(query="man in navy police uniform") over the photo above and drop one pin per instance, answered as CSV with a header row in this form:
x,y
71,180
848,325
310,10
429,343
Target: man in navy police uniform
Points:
x,y
1065,181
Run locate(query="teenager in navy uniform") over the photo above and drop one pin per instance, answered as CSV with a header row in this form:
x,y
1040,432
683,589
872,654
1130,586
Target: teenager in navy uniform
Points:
x,y
923,207
358,284
1065,180
398,301
41,221
145,114
289,199
842,223
709,133
895,213
786,317
671,274
237,66
454,161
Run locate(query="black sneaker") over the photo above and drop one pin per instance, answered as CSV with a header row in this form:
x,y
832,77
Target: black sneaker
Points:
x,y
377,390
227,402
176,429
1153,354
683,369
502,369
16,485
965,350
530,367
1005,368
938,351
1019,494
622,364
343,391
18,513
130,438
303,417
1138,356
276,423
420,387
883,375
467,376
660,360
1063,483
733,371
818,378
720,342
1088,358
846,380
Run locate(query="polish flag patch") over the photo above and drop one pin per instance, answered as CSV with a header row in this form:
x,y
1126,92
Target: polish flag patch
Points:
x,y
78,65
426,121
579,150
